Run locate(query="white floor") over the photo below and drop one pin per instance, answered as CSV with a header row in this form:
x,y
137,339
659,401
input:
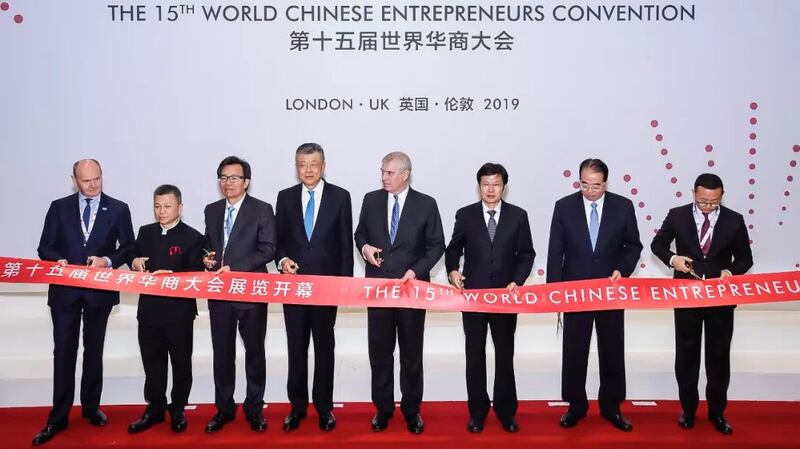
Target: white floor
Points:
x,y
765,355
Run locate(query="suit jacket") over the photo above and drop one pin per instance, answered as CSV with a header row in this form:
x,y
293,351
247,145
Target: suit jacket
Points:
x,y
730,243
570,255
180,249
252,241
420,238
62,238
330,251
491,264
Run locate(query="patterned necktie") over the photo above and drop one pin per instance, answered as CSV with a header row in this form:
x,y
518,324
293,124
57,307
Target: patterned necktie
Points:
x,y
594,225
703,231
492,226
87,213
229,224
395,219
308,220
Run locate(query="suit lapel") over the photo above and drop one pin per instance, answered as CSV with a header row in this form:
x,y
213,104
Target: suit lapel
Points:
x,y
581,211
298,212
325,204
241,218
100,221
480,223
720,229
691,231
384,220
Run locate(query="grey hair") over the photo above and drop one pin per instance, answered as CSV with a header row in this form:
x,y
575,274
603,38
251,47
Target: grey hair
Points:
x,y
405,161
310,148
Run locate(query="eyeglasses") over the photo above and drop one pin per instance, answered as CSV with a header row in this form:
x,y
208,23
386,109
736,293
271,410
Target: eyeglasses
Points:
x,y
708,203
235,179
592,187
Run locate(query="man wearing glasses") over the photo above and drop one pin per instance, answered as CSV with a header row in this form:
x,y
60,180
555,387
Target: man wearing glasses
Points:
x,y
240,232
711,241
593,235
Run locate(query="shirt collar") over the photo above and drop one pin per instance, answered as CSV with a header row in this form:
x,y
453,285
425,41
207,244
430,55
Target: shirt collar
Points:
x,y
237,205
317,189
401,196
496,208
82,198
599,201
165,229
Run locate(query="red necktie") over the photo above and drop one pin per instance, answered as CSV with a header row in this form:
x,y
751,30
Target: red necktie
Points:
x,y
703,231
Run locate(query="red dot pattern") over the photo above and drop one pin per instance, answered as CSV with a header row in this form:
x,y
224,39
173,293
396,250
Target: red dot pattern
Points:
x,y
752,166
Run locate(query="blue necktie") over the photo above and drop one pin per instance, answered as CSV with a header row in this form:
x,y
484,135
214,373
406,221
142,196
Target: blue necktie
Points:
x,y
594,225
395,219
87,213
309,218
229,224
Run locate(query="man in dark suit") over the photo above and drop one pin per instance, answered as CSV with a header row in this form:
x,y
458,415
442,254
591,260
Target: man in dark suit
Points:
x,y
497,253
166,324
594,234
314,227
711,241
400,236
85,228
241,229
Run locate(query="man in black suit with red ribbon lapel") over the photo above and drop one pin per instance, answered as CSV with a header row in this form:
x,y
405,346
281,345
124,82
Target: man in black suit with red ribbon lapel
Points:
x,y
711,241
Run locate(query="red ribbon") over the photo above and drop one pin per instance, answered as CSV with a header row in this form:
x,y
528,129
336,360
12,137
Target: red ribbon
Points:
x,y
574,296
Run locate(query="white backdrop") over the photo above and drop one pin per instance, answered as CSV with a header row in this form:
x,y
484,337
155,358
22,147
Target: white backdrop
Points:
x,y
163,102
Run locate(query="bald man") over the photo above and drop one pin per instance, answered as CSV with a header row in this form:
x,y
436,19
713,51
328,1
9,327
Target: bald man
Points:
x,y
85,228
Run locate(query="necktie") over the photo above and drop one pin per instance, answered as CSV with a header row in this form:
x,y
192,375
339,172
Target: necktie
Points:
x,y
706,244
492,224
395,219
87,213
594,225
229,224
309,217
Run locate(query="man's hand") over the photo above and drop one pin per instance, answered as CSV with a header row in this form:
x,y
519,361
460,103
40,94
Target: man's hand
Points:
x,y
97,262
289,266
408,276
225,269
511,287
62,262
372,255
138,264
682,263
724,274
457,279
615,275
157,272
209,260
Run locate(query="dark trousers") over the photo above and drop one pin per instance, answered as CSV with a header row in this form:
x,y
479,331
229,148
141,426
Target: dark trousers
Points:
x,y
252,324
406,326
503,326
610,327
160,344
688,337
66,328
301,323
